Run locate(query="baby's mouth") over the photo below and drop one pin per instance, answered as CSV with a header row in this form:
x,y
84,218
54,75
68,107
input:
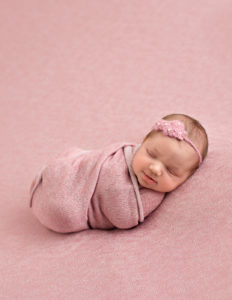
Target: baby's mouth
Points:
x,y
148,178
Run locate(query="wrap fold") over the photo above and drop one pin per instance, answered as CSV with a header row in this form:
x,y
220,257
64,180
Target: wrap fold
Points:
x,y
86,189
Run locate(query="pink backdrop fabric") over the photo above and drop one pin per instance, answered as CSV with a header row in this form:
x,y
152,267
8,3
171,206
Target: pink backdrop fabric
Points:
x,y
90,73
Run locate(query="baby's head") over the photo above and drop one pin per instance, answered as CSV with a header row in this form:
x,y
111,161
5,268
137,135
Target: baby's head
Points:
x,y
167,155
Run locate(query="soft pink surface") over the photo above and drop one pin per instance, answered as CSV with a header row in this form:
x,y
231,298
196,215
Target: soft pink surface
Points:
x,y
90,73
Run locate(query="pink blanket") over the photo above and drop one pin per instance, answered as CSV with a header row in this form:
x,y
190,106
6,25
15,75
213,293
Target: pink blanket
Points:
x,y
84,189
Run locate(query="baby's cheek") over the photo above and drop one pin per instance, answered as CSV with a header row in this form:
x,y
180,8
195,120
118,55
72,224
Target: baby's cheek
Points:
x,y
171,184
134,165
138,162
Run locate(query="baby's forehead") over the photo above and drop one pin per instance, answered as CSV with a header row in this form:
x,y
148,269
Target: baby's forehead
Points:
x,y
159,140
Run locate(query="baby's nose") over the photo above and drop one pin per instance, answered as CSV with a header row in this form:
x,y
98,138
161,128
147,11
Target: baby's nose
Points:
x,y
156,169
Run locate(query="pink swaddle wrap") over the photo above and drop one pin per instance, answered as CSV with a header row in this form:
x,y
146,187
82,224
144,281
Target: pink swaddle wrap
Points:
x,y
85,189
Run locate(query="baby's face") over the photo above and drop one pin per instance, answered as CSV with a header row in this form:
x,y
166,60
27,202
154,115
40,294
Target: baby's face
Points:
x,y
164,159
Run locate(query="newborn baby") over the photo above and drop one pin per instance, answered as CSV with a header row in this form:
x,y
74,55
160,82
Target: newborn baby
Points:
x,y
120,185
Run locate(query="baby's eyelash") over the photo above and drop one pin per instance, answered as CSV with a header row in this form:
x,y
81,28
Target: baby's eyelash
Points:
x,y
151,154
171,171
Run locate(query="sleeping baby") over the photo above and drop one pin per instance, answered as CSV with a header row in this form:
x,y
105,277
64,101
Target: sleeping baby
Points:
x,y
119,185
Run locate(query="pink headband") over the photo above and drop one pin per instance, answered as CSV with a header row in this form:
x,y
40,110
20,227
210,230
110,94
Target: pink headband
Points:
x,y
175,129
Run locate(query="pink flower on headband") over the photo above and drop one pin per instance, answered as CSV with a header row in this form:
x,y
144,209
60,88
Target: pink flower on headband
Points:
x,y
171,128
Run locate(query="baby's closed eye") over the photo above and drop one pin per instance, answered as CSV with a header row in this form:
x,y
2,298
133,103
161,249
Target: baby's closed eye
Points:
x,y
151,154
171,171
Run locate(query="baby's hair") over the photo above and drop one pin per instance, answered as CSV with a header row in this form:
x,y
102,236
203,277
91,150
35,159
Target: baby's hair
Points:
x,y
195,131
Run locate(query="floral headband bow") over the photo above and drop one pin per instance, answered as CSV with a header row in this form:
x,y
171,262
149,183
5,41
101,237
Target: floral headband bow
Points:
x,y
175,129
